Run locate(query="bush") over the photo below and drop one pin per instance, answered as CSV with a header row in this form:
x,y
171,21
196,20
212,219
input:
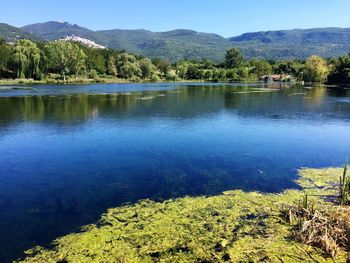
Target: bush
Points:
x,y
92,74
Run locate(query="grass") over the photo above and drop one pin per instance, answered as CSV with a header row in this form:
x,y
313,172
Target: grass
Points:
x,y
236,226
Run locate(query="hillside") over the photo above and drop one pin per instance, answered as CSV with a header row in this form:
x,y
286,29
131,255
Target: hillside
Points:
x,y
182,43
296,43
173,45
12,34
54,30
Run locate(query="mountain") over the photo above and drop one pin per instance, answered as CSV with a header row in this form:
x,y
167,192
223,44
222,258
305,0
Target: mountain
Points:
x,y
183,43
296,43
173,45
331,35
54,30
12,34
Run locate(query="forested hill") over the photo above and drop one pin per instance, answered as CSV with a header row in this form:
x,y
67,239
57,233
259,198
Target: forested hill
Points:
x,y
12,34
181,43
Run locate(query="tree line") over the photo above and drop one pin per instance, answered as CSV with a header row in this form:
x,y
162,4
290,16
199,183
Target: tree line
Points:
x,y
62,60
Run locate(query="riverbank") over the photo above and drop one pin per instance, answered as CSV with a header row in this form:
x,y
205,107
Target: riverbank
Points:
x,y
236,226
86,81
68,81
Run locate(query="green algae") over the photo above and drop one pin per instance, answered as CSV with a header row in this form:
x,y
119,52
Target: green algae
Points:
x,y
236,226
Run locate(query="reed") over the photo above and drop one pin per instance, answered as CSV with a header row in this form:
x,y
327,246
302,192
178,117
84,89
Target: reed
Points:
x,y
344,183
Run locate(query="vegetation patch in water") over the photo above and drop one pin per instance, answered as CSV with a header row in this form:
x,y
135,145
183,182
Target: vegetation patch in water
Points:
x,y
236,226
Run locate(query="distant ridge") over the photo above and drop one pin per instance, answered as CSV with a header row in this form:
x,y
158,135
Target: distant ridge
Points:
x,y
11,34
183,43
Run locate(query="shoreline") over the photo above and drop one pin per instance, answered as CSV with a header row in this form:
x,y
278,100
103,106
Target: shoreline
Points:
x,y
82,81
88,81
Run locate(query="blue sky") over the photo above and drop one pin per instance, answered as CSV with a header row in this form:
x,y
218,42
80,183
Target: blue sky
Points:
x,y
224,17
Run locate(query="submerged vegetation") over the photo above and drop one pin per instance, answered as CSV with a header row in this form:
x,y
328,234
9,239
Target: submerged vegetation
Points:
x,y
236,226
67,61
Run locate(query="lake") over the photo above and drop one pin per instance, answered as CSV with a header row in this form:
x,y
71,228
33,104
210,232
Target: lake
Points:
x,y
70,152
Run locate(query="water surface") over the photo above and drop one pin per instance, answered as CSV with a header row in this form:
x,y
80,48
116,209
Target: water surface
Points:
x,y
70,152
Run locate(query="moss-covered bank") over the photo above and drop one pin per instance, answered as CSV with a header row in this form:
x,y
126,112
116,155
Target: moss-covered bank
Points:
x,y
235,227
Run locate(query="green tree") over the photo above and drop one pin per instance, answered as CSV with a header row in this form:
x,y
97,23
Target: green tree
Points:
x,y
316,69
65,57
233,58
5,56
164,66
340,73
27,58
127,66
208,74
181,68
193,72
111,67
290,67
231,74
259,68
95,60
147,68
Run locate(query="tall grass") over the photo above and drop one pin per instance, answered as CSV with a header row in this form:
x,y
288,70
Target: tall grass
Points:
x,y
344,183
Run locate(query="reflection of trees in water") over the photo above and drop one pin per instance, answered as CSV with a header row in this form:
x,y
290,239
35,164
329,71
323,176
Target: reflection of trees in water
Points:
x,y
315,96
187,102
68,108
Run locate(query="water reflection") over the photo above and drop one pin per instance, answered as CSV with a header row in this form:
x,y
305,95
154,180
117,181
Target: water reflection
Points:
x,y
68,157
185,102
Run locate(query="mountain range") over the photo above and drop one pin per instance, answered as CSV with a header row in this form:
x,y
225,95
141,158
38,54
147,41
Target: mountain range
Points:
x,y
183,43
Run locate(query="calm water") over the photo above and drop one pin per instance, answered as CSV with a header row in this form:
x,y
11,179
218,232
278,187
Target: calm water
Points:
x,y
70,152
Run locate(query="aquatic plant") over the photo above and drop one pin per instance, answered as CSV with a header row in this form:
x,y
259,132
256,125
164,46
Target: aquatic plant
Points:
x,y
327,226
344,183
236,226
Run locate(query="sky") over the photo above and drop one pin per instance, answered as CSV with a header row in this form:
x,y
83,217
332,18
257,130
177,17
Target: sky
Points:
x,y
223,17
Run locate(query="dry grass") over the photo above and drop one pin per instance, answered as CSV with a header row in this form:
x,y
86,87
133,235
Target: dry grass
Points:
x,y
327,228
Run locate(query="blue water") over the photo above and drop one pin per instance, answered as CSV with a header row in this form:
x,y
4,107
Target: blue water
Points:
x,y
70,152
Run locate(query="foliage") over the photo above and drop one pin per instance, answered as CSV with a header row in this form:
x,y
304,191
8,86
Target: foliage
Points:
x,y
233,58
164,66
41,61
290,67
316,69
111,68
260,67
26,59
5,56
147,68
341,71
64,57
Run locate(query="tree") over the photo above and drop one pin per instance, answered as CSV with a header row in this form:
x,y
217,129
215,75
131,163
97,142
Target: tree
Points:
x,y
340,74
194,73
233,58
95,60
5,56
290,67
147,68
65,57
260,68
164,67
316,69
111,68
127,66
181,68
26,58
